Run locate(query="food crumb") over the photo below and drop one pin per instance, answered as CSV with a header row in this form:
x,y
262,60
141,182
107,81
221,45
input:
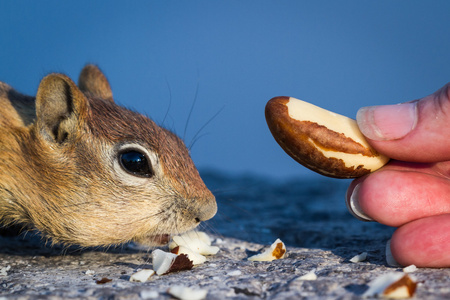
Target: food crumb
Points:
x,y
186,293
395,285
167,262
103,280
359,258
142,275
276,251
405,287
311,275
410,269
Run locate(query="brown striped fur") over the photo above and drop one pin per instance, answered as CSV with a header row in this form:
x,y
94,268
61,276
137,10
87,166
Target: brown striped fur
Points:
x,y
59,174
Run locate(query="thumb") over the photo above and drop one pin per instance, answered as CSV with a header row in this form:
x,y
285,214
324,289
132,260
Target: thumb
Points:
x,y
417,131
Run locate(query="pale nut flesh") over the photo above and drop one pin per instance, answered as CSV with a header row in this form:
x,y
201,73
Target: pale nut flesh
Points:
x,y
325,142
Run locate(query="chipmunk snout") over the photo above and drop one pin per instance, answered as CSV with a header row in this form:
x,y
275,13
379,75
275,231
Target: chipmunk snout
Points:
x,y
207,210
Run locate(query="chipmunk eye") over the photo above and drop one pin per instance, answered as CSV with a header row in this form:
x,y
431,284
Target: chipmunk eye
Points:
x,y
136,163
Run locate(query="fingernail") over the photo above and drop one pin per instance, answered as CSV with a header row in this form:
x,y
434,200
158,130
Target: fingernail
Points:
x,y
389,258
354,207
387,122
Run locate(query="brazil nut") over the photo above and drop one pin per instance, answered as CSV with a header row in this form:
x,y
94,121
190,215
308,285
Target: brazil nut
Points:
x,y
325,142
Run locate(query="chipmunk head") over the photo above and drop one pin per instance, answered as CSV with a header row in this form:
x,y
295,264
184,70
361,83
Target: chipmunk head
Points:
x,y
108,175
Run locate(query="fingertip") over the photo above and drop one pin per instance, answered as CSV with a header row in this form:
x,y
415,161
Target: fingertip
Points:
x,y
399,250
412,131
423,242
353,203
369,199
387,122
390,260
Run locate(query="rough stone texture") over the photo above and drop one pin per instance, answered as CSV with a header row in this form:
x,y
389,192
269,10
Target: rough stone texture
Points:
x,y
308,215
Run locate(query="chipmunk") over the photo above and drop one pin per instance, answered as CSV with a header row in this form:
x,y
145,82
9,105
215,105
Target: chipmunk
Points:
x,y
86,171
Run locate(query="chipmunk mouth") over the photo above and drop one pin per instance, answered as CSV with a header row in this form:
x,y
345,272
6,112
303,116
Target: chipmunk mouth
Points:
x,y
154,240
161,239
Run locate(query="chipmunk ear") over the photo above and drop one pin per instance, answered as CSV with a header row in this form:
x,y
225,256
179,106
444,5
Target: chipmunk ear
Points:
x,y
60,107
93,82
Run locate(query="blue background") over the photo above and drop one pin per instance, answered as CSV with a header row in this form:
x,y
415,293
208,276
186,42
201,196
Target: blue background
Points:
x,y
232,57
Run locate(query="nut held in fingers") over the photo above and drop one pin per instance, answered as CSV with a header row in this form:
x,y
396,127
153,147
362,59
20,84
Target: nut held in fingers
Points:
x,y
327,143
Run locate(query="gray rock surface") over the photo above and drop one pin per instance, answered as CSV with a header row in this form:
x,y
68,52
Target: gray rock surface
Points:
x,y
308,215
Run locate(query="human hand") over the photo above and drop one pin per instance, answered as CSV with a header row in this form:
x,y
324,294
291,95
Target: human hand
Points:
x,y
411,192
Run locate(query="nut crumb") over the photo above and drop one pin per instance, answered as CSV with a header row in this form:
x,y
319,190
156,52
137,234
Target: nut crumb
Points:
x,y
142,275
103,280
359,258
187,293
276,251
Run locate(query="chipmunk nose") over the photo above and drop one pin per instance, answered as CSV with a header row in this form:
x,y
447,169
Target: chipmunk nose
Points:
x,y
206,210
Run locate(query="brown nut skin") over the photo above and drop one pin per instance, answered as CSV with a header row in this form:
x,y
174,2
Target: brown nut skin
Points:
x,y
306,142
